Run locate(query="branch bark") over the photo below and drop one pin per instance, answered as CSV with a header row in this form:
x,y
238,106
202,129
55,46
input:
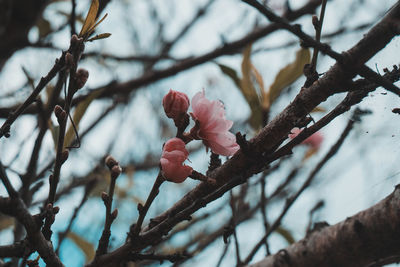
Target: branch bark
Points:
x,y
361,240
246,163
272,135
125,88
16,208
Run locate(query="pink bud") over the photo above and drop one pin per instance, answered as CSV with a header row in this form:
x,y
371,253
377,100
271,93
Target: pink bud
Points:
x,y
314,141
175,104
213,126
173,156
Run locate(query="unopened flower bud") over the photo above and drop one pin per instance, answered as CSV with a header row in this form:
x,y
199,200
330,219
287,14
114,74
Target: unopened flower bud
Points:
x,y
81,78
64,156
175,104
110,162
114,214
115,171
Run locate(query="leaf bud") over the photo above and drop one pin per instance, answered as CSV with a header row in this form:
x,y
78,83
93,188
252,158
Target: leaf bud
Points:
x,y
114,214
81,77
111,162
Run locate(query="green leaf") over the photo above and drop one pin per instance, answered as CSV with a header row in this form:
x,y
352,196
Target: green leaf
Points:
x,y
288,74
285,234
231,73
100,36
90,18
31,81
318,109
78,115
6,222
44,27
249,92
260,81
86,247
91,29
55,131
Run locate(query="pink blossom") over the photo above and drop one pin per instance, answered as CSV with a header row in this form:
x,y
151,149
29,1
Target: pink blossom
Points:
x,y
314,141
173,155
175,104
213,126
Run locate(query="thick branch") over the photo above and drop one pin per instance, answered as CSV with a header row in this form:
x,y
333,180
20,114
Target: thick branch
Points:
x,y
277,130
16,208
365,238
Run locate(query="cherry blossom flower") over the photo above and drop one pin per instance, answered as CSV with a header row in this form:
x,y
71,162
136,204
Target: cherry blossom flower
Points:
x,y
175,104
212,126
314,141
173,155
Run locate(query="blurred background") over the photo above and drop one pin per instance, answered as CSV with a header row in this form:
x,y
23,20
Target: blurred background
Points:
x,y
152,35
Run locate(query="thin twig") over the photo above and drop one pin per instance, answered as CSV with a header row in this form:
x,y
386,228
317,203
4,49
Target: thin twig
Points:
x,y
334,149
318,28
5,128
115,170
77,47
144,209
363,70
7,184
263,204
233,225
61,236
358,90
73,17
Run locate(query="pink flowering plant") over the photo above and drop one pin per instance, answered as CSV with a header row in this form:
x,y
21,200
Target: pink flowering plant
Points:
x,y
211,127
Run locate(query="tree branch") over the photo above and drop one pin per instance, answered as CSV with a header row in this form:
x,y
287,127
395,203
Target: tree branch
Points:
x,y
272,135
363,239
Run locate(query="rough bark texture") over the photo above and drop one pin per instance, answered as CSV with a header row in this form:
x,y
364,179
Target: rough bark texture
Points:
x,y
277,130
361,240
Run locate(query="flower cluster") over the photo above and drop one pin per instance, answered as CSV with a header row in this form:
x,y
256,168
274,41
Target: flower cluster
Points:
x,y
211,126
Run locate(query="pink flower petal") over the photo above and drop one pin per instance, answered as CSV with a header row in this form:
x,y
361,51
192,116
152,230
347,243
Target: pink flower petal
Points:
x,y
214,127
173,155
